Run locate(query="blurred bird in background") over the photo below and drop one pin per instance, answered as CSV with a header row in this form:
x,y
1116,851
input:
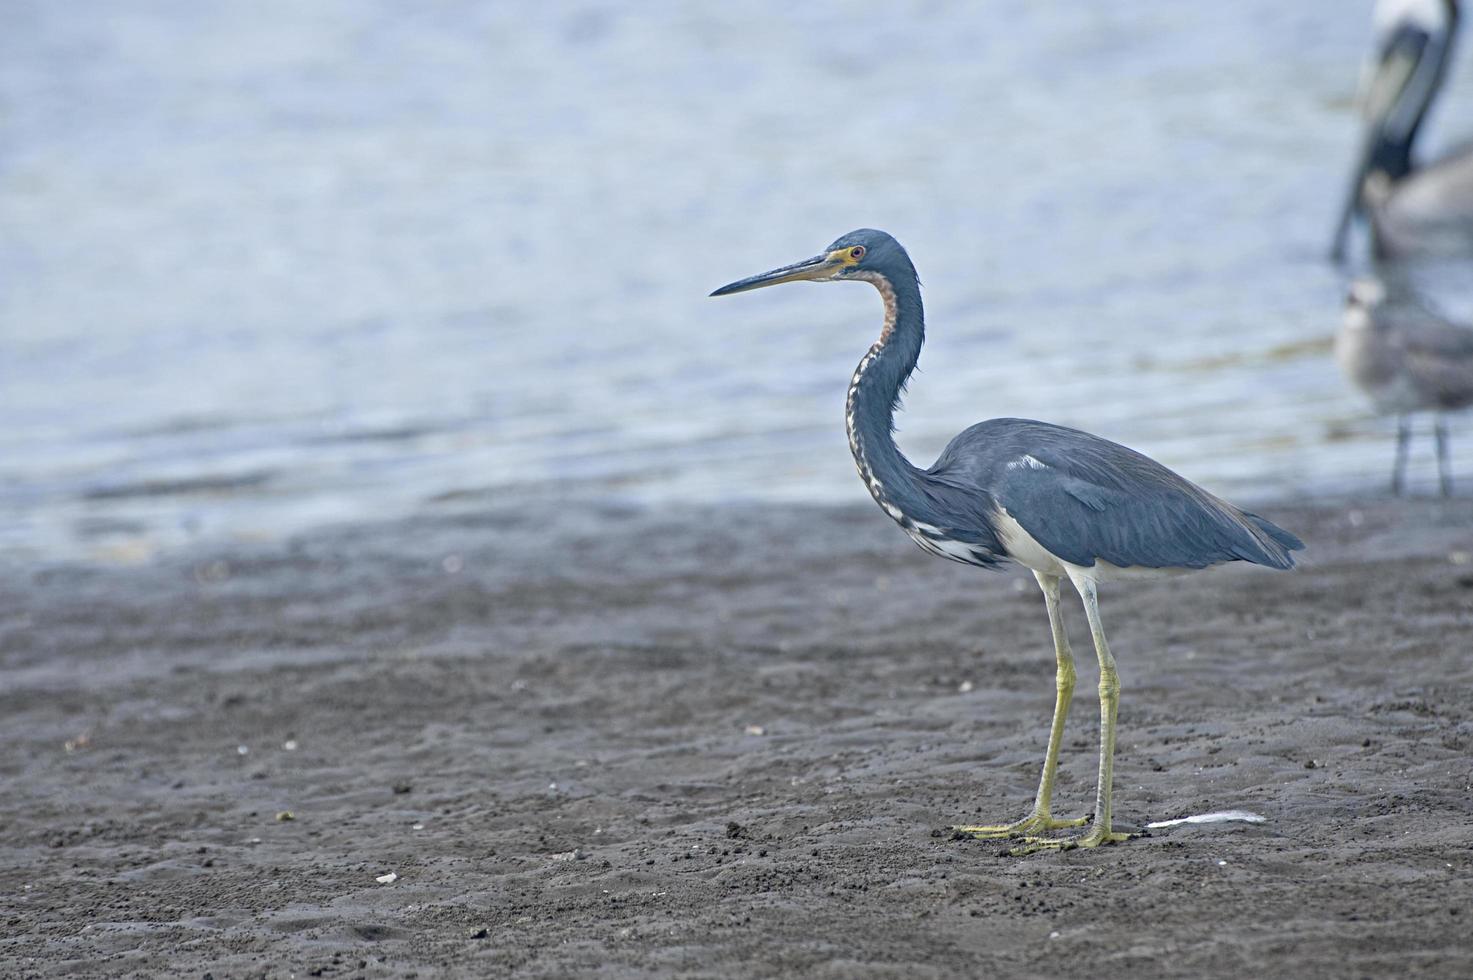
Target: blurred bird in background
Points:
x,y
1393,344
1406,358
1410,208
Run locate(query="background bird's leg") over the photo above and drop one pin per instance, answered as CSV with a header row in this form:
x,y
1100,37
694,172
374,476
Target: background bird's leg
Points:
x,y
1041,820
1399,464
1444,463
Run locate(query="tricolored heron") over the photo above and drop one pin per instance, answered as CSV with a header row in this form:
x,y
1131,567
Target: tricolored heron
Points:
x,y
1407,359
1059,501
1411,208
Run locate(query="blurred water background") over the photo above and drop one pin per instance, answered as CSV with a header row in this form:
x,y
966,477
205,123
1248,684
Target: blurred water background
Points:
x,y
268,265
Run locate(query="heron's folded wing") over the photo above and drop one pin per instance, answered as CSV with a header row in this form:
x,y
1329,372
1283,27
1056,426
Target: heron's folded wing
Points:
x,y
1087,499
1108,503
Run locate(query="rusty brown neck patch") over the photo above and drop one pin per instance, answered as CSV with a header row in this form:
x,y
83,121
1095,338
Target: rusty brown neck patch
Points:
x,y
887,293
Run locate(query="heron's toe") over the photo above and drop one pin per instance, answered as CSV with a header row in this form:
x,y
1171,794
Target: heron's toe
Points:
x,y
1095,838
1030,826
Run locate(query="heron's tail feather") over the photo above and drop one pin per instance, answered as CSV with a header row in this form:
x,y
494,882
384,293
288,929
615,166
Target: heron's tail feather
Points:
x,y
1275,541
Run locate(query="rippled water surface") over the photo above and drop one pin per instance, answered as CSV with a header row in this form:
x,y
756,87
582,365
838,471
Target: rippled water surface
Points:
x,y
267,265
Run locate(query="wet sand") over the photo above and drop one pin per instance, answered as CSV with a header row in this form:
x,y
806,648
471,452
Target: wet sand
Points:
x,y
728,743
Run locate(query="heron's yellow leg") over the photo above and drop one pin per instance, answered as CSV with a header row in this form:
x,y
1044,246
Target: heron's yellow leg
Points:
x,y
1040,821
1099,831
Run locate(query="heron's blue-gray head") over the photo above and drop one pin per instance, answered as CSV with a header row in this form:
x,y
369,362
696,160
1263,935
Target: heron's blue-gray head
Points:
x,y
865,255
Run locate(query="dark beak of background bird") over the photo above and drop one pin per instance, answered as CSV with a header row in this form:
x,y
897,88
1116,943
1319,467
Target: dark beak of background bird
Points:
x,y
818,267
1396,99
1354,193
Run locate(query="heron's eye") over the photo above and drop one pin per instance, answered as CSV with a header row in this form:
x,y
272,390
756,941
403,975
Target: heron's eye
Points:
x,y
857,252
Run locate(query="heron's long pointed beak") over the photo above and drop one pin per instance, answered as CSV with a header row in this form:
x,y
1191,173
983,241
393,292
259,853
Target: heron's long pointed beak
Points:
x,y
819,267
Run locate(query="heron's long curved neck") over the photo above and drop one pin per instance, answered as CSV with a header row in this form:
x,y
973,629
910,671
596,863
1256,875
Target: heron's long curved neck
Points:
x,y
874,392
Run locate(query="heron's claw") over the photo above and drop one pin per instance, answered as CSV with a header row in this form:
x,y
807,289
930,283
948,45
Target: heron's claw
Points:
x,y
1095,838
1029,827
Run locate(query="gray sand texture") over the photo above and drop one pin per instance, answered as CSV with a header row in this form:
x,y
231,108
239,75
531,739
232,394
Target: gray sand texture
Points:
x,y
716,743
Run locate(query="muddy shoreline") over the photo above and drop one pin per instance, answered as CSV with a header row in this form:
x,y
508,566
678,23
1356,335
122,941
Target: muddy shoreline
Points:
x,y
726,742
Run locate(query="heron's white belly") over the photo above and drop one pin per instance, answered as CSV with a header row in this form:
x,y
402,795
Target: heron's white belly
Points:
x,y
1025,550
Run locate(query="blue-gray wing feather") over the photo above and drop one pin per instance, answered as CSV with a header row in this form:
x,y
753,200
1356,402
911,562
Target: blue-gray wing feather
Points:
x,y
1087,499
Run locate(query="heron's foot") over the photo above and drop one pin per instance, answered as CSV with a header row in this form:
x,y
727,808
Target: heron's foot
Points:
x,y
1029,827
1095,838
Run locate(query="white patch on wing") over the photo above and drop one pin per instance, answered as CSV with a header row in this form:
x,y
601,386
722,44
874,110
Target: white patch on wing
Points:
x,y
1027,461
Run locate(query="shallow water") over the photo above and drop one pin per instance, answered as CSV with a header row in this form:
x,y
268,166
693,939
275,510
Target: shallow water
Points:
x,y
274,265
